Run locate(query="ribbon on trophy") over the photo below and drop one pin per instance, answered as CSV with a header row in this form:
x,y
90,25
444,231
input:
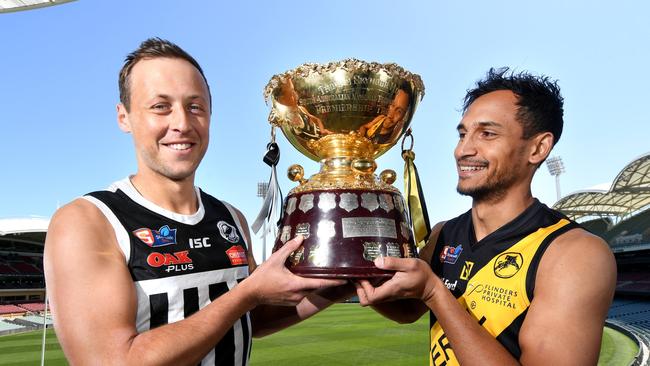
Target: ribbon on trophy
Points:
x,y
417,207
272,206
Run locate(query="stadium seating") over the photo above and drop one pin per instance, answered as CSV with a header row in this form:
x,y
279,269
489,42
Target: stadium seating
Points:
x,y
34,307
597,226
11,309
631,231
36,320
4,326
631,311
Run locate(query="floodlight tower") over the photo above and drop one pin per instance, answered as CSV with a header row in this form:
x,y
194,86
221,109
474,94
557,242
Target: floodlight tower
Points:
x,y
556,167
262,189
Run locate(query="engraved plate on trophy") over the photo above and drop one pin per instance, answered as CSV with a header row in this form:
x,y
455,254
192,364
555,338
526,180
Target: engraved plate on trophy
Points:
x,y
354,227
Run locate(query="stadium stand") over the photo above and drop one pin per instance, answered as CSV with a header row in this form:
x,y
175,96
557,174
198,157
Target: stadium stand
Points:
x,y
21,260
11,309
598,226
6,327
35,307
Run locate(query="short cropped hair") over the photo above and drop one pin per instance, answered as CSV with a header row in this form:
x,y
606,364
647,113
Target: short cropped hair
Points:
x,y
539,99
152,48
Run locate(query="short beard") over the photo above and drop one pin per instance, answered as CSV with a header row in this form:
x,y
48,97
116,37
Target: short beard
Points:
x,y
485,193
491,191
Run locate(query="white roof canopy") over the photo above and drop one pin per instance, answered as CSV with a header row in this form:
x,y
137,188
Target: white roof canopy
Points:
x,y
629,193
18,5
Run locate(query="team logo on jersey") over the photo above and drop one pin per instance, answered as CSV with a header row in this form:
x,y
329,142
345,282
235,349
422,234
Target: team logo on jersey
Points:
x,y
467,270
450,254
228,232
156,238
508,264
237,255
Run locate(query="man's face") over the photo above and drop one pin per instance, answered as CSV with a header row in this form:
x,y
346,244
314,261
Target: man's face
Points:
x,y
398,108
491,152
169,117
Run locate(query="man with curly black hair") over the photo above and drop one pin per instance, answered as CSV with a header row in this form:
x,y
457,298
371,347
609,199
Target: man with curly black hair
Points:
x,y
510,281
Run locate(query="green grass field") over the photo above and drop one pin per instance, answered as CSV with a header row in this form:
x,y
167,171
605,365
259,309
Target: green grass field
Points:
x,y
345,334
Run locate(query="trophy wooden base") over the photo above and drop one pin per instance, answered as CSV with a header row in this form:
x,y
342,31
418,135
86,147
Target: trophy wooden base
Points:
x,y
344,231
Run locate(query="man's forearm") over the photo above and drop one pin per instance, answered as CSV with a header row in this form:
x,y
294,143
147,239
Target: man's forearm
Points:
x,y
189,340
268,319
402,311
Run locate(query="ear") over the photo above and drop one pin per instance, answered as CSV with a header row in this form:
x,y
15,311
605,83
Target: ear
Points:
x,y
123,118
542,144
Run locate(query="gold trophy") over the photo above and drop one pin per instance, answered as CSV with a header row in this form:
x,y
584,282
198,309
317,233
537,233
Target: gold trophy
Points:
x,y
344,115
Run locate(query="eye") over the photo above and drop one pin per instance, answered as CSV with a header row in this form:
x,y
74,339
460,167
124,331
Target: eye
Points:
x,y
196,108
488,134
160,107
461,134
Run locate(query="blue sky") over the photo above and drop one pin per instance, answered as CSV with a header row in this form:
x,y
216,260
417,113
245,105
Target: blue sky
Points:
x,y
59,66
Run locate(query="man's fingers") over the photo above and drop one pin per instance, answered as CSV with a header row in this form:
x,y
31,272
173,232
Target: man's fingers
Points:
x,y
377,295
317,283
392,263
289,247
361,293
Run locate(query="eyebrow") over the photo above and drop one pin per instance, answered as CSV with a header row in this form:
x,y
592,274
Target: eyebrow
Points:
x,y
190,97
480,124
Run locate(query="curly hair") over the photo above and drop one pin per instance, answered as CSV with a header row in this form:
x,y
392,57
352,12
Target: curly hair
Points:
x,y
539,100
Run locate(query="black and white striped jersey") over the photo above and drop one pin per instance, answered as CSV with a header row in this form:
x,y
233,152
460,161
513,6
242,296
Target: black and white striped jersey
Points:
x,y
180,263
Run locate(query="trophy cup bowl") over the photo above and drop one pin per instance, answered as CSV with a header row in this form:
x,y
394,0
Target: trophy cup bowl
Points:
x,y
344,115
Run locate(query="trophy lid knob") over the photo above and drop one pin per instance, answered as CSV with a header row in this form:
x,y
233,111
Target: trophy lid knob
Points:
x,y
296,173
388,176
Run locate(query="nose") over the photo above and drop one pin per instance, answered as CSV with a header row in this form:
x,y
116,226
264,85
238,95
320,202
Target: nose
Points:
x,y
181,120
466,147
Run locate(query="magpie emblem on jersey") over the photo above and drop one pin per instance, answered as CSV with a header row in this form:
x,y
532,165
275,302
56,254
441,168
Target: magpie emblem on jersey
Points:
x,y
450,254
228,232
508,264
156,238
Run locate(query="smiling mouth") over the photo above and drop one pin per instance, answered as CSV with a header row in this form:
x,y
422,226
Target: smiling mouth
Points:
x,y
179,147
471,168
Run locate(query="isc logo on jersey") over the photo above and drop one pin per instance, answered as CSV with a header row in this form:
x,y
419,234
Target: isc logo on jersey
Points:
x,y
178,261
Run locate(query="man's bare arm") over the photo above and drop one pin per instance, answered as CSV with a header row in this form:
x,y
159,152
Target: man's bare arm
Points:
x,y
94,302
574,288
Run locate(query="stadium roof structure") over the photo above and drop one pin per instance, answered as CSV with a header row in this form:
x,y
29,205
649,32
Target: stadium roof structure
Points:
x,y
30,230
7,6
629,194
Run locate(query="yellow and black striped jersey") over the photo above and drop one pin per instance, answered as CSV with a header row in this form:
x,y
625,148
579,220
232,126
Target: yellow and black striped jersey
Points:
x,y
494,278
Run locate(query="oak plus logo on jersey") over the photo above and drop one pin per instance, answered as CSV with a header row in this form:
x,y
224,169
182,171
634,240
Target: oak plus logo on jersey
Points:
x,y
156,238
228,232
508,264
450,254
174,262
